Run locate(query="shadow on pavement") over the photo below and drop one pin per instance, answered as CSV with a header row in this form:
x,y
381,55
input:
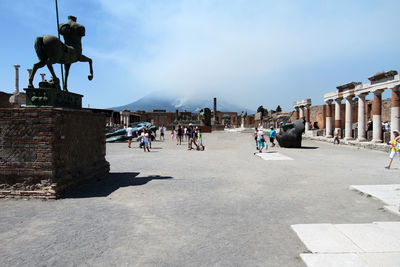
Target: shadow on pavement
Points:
x,y
308,147
102,187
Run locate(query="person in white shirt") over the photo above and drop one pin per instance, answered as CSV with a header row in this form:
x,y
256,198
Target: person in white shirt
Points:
x,y
145,139
260,140
162,132
129,134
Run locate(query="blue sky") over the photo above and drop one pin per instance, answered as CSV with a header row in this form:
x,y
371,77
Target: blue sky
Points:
x,y
249,53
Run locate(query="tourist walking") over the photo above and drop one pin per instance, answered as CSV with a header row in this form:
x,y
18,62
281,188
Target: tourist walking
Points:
x,y
272,133
162,133
145,139
336,138
129,134
185,133
179,135
395,148
255,136
260,140
199,138
149,132
173,133
192,138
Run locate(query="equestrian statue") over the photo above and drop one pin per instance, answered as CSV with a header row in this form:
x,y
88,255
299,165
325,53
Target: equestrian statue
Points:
x,y
51,50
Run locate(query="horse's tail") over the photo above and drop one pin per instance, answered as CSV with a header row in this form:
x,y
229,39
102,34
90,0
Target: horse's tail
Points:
x,y
39,48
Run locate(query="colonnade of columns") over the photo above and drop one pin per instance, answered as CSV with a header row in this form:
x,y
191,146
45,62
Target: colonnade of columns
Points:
x,y
302,111
125,117
361,118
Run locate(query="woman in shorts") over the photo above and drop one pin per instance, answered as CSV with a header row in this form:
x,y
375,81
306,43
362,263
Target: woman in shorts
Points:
x,y
395,148
145,138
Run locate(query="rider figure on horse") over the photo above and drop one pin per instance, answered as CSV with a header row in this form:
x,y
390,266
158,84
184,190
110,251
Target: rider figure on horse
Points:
x,y
72,33
51,50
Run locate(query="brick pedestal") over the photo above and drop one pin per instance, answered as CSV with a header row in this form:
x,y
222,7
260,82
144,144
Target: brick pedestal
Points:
x,y
45,152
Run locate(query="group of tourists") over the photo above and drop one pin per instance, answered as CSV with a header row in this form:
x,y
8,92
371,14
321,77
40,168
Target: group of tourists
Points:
x,y
191,134
260,138
145,137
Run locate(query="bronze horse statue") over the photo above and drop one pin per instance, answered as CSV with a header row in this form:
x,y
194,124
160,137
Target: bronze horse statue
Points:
x,y
51,50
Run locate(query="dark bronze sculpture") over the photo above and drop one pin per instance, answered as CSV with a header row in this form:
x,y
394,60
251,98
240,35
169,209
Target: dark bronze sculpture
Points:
x,y
51,50
205,117
290,134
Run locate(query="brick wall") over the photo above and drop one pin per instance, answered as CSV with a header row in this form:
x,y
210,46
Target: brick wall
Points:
x,y
46,152
5,100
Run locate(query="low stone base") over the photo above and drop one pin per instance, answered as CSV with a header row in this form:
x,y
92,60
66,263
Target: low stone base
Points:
x,y
205,129
47,152
367,145
50,97
218,127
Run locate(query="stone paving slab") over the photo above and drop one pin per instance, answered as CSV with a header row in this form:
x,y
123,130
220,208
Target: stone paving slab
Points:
x,y
371,237
381,259
333,260
273,155
377,244
388,194
324,238
352,260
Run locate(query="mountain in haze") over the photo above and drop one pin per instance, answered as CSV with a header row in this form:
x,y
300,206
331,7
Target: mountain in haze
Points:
x,y
170,103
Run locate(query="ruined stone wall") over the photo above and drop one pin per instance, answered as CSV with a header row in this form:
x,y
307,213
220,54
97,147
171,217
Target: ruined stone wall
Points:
x,y
5,100
46,152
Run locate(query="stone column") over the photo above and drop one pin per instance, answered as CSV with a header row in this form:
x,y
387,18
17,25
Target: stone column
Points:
x,y
296,113
361,118
328,119
301,109
307,117
338,120
16,90
43,75
349,119
395,111
376,117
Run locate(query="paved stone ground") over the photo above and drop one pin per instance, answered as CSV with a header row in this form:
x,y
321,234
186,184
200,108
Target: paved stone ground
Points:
x,y
389,194
220,207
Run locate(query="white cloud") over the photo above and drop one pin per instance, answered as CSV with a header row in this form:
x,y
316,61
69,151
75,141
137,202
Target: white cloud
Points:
x,y
236,49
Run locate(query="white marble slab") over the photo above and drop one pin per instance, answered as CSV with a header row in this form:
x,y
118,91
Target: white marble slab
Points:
x,y
371,237
324,238
333,260
273,156
381,259
393,227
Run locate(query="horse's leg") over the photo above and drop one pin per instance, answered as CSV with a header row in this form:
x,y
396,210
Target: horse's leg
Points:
x,y
83,58
36,66
53,74
66,67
